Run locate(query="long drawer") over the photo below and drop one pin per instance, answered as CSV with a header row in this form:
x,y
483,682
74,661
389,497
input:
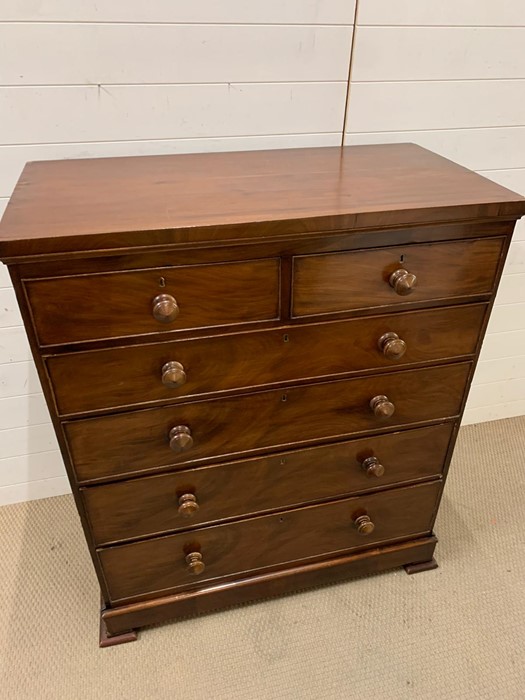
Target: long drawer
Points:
x,y
117,445
156,504
148,373
239,548
119,304
336,282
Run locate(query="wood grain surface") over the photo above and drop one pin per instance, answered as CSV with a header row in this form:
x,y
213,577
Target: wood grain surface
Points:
x,y
138,441
357,280
75,205
227,362
238,548
89,307
150,506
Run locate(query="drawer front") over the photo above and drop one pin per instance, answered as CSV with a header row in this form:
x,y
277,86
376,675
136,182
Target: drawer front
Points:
x,y
239,548
338,282
91,307
140,440
157,504
135,374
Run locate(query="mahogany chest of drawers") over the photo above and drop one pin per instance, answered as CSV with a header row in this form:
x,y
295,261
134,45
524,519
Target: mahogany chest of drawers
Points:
x,y
256,363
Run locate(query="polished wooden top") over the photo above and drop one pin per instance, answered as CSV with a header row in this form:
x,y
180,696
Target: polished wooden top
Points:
x,y
114,203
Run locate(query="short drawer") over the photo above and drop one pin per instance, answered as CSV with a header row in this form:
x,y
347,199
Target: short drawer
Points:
x,y
241,548
337,282
109,446
180,369
120,304
181,500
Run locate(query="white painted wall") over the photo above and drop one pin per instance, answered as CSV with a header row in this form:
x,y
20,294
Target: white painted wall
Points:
x,y
450,76
86,79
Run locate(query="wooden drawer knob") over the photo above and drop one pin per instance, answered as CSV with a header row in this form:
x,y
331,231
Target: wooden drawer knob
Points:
x,y
173,374
364,525
180,438
165,308
392,346
403,282
195,563
382,407
188,505
373,467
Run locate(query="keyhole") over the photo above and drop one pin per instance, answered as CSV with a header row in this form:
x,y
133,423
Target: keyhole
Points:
x,y
162,282
286,338
401,259
284,397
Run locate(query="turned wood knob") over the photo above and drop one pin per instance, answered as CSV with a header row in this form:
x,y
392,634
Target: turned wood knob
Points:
x,y
195,564
392,346
382,407
180,438
403,282
364,525
173,374
165,308
373,466
188,505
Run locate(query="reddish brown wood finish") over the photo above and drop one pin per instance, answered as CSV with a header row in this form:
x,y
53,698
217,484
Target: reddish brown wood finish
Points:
x,y
255,587
288,354
214,198
71,309
346,281
159,565
150,506
418,567
120,263
121,445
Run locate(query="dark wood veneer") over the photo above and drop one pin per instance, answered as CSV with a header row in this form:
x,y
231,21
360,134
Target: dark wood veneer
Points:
x,y
223,363
346,281
120,445
149,506
72,309
159,565
225,440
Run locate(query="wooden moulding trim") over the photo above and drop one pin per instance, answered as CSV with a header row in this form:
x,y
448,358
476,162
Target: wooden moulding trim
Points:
x,y
265,585
227,235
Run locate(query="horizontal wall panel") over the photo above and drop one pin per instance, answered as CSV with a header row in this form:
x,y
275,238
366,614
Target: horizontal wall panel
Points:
x,y
515,263
18,379
498,370
9,311
32,490
508,390
236,11
449,12
519,231
171,53
477,149
35,467
16,442
13,158
438,53
494,412
514,179
14,346
159,112
507,317
412,106
5,280
20,411
511,290
498,345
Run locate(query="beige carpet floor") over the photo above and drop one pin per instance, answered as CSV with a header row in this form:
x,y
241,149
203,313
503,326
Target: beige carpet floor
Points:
x,y
456,632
